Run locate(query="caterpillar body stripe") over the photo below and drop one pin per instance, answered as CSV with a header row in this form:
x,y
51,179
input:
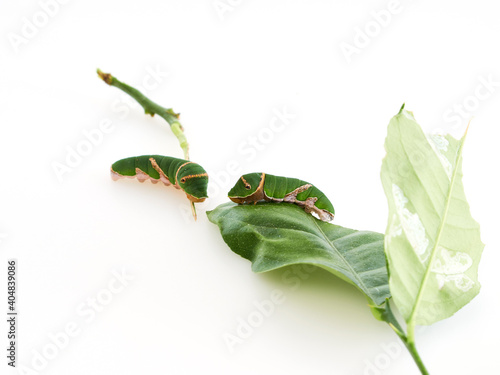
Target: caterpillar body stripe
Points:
x,y
255,187
182,174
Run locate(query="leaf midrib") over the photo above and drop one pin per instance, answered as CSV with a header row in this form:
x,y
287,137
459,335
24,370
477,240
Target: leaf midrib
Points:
x,y
438,237
353,272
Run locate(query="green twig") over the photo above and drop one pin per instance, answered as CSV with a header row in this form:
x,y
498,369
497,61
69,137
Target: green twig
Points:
x,y
151,108
384,313
410,345
409,341
416,357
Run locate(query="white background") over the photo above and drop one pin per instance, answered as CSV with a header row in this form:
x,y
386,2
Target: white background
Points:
x,y
228,71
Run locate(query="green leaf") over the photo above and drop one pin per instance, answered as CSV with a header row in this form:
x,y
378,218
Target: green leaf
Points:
x,y
275,235
432,243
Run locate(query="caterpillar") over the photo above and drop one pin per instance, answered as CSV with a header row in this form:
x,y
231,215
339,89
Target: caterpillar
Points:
x,y
182,174
254,187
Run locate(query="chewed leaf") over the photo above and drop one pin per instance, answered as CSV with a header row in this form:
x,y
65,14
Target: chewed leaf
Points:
x,y
275,235
432,243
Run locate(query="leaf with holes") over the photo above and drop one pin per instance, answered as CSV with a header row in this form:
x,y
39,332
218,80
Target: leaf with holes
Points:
x,y
432,242
275,235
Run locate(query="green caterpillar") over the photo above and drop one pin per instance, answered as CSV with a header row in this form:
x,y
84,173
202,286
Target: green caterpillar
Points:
x,y
254,187
182,174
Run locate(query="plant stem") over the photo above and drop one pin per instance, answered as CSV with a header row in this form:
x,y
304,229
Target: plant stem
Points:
x,y
151,108
385,314
409,342
416,357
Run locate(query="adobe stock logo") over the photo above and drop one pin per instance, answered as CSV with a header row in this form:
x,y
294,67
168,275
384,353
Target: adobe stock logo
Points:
x,y
224,6
381,362
249,149
470,104
247,325
57,342
74,156
31,26
92,138
372,29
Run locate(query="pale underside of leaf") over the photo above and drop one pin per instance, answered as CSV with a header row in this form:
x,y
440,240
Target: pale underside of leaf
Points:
x,y
275,235
432,243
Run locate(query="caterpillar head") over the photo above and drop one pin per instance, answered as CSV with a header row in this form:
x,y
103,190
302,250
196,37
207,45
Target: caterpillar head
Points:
x,y
193,180
249,188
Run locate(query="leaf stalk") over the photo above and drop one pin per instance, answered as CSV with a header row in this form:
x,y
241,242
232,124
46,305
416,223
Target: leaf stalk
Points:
x,y
409,341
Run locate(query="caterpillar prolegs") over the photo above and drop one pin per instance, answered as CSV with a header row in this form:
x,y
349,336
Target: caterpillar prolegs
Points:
x,y
182,174
254,187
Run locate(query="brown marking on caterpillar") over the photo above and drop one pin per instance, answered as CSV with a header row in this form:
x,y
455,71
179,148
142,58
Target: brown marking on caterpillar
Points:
x,y
325,215
183,179
258,195
292,196
115,176
178,169
309,204
194,199
139,174
163,177
272,199
247,185
309,207
189,196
